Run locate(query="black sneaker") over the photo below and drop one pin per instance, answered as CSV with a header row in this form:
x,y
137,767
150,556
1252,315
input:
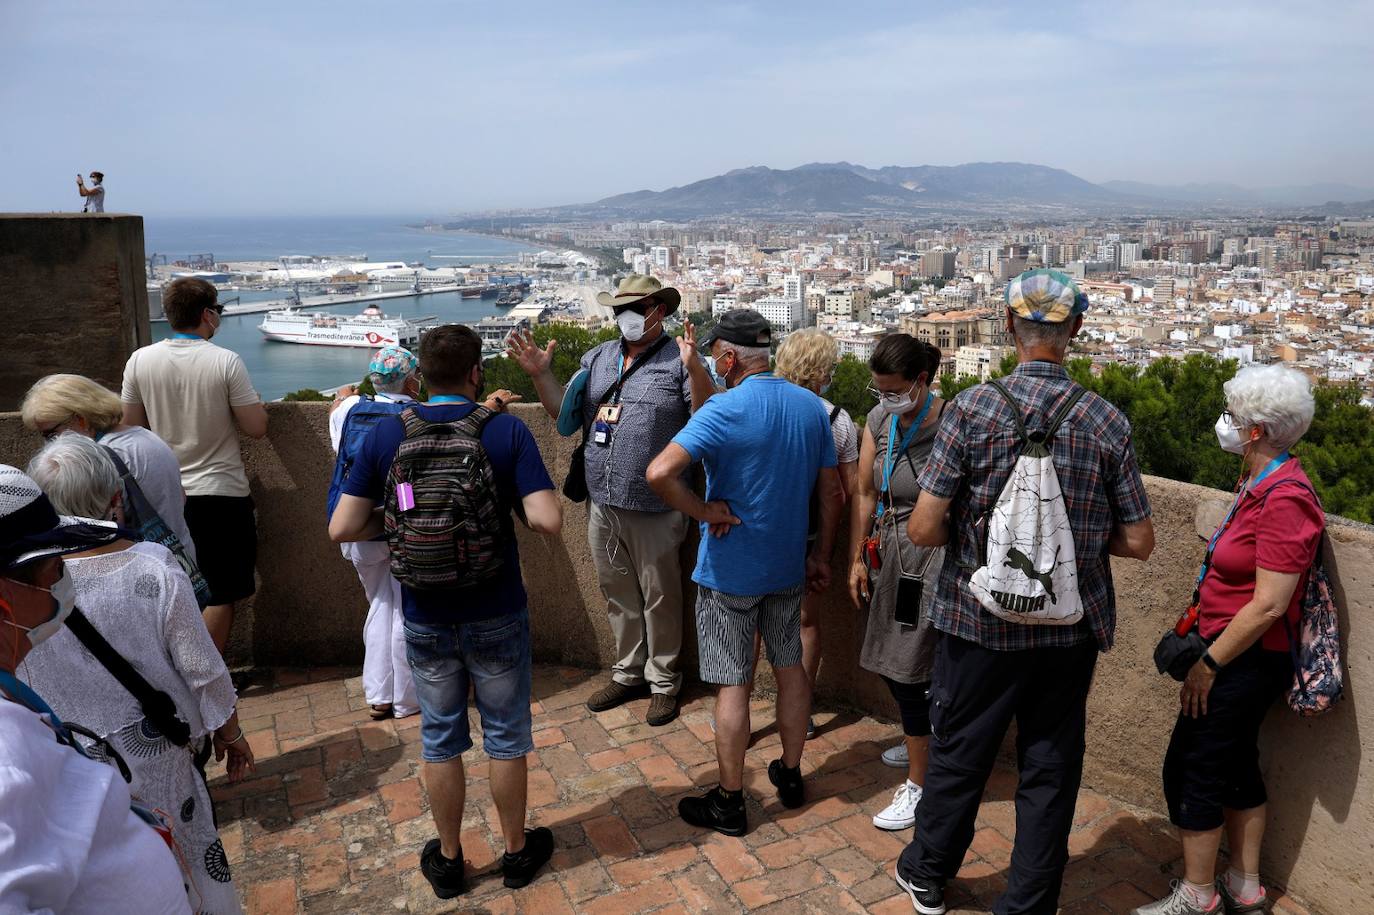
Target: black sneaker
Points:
x,y
715,810
791,791
444,876
927,896
520,868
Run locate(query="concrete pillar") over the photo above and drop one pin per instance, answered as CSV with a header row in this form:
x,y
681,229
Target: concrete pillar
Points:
x,y
73,297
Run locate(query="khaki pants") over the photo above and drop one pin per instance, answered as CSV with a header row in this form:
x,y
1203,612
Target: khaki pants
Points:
x,y
638,564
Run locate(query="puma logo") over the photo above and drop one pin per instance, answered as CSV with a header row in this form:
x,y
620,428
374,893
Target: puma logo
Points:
x,y
1021,562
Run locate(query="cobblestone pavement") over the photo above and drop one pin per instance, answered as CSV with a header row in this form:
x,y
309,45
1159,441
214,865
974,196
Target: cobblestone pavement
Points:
x,y
335,818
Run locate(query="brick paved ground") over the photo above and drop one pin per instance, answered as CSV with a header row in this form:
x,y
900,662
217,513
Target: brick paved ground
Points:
x,y
335,818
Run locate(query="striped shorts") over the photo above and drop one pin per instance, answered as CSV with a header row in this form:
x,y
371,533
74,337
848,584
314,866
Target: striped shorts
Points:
x,y
726,624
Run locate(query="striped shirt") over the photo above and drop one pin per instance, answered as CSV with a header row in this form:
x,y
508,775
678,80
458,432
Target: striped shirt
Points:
x,y
975,451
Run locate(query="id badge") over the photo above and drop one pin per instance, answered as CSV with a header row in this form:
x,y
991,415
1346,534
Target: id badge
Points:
x,y
909,591
608,413
405,497
601,433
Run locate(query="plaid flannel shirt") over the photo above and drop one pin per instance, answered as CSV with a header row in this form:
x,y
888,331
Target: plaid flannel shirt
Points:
x,y
974,453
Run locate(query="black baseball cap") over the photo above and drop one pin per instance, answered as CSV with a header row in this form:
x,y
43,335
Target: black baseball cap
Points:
x,y
741,326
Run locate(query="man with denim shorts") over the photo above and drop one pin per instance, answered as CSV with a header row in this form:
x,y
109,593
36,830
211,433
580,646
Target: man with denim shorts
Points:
x,y
767,446
477,637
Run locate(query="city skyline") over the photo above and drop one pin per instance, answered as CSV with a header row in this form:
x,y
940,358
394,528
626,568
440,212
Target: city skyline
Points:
x,y
334,109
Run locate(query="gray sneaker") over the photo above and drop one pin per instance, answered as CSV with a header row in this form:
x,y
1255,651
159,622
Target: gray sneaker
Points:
x,y
1178,902
1234,906
896,757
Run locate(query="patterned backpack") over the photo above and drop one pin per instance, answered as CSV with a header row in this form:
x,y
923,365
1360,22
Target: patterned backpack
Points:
x,y
1318,682
443,516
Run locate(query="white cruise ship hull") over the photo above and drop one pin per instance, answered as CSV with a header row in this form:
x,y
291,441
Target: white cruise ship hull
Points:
x,y
320,329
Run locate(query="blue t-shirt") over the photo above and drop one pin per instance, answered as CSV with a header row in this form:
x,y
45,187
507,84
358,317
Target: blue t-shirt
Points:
x,y
763,443
519,471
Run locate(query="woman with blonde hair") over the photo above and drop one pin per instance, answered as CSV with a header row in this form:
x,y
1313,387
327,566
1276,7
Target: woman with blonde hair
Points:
x,y
75,403
807,358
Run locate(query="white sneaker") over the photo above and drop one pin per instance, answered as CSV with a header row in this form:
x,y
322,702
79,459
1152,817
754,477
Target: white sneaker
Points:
x,y
901,813
896,757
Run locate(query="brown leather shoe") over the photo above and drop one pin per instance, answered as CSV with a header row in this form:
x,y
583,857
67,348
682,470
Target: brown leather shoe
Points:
x,y
662,709
613,694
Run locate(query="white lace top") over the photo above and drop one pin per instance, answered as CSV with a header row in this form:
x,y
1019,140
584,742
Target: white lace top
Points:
x,y
141,601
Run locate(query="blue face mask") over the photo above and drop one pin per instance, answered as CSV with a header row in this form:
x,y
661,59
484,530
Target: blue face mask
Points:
x,y
825,388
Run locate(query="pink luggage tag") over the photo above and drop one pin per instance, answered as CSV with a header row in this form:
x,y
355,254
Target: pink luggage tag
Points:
x,y
405,497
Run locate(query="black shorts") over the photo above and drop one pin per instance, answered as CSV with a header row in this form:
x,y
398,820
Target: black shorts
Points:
x,y
225,531
913,702
1213,761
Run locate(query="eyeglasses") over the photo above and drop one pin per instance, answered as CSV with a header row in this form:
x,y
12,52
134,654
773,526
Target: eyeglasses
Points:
x,y
217,309
887,395
57,429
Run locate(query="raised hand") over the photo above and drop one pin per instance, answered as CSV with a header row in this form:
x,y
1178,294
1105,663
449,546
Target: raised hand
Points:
x,y
687,344
527,354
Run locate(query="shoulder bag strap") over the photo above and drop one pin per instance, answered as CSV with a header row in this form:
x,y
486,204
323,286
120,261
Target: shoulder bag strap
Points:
x,y
156,705
625,376
1069,403
997,386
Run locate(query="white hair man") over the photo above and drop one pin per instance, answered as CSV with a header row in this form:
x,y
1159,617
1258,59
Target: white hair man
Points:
x,y
767,446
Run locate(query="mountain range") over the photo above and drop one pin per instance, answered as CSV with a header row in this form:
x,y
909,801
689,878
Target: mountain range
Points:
x,y
846,188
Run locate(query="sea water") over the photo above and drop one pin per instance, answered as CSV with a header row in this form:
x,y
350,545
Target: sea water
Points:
x,y
279,368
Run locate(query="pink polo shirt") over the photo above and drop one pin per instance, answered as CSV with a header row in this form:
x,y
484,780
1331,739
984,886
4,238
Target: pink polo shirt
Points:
x,y
1280,532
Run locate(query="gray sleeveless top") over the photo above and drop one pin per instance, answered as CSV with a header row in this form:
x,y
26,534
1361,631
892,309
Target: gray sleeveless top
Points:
x,y
902,653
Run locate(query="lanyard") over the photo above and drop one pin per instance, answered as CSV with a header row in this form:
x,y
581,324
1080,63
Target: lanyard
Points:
x,y
182,335
1273,465
448,398
889,461
20,692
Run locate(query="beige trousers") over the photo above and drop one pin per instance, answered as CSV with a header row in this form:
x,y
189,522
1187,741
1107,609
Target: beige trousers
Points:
x,y
638,564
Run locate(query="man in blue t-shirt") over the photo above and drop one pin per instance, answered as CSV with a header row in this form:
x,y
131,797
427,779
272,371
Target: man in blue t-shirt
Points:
x,y
478,635
767,446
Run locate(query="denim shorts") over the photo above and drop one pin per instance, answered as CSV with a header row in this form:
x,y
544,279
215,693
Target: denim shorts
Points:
x,y
493,658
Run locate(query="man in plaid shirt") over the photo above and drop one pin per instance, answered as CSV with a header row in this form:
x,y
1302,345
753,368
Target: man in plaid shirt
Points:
x,y
989,671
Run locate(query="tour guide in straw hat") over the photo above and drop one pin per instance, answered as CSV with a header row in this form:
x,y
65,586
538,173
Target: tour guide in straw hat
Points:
x,y
628,417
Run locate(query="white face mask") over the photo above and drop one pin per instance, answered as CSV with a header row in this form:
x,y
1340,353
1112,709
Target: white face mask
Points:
x,y
633,326
899,404
1228,435
64,600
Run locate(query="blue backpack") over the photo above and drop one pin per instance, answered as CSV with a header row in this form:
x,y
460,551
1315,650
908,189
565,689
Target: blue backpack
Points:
x,y
361,420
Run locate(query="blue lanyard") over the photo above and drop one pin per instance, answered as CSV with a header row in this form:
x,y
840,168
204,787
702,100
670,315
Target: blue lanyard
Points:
x,y
20,692
182,335
1273,465
889,462
449,398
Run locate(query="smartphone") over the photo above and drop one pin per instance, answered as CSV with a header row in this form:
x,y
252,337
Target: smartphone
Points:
x,y
909,591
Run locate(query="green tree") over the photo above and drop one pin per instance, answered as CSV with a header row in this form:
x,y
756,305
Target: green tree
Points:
x,y
849,388
950,386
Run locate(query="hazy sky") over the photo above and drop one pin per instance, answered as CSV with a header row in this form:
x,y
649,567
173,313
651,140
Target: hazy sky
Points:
x,y
419,106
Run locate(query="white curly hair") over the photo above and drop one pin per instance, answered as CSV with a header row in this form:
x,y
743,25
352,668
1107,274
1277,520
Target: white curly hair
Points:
x,y
1273,396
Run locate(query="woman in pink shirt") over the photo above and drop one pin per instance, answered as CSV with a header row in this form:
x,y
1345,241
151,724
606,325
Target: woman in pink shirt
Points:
x,y
1248,606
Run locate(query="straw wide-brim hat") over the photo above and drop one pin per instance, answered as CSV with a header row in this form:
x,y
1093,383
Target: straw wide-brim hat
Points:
x,y
635,288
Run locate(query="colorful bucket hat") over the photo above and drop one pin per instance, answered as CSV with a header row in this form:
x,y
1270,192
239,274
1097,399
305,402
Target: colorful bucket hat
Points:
x,y
392,362
1046,296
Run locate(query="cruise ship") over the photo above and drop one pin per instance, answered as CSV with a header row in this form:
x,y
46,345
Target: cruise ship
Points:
x,y
369,329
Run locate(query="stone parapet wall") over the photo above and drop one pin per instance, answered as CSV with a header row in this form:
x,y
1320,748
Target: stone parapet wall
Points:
x,y
309,611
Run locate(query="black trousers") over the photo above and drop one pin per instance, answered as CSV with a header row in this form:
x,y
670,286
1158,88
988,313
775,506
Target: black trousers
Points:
x,y
1213,761
976,695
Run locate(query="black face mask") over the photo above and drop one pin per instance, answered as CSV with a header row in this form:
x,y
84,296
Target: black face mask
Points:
x,y
481,383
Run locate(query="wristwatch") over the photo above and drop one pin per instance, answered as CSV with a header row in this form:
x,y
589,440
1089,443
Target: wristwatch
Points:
x,y
1211,662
